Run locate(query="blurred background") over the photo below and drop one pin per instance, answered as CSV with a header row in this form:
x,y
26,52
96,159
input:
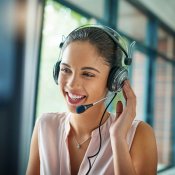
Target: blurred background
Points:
x,y
30,34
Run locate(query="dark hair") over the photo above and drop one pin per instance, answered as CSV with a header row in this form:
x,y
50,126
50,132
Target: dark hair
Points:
x,y
105,45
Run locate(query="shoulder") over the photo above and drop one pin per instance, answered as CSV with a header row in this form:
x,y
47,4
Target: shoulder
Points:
x,y
52,118
144,130
144,134
47,124
144,150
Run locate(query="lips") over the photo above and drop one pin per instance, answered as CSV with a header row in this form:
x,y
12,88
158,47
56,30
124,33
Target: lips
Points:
x,y
75,99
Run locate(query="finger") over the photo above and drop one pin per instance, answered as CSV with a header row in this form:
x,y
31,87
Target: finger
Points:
x,y
128,91
129,85
124,94
119,108
130,99
126,82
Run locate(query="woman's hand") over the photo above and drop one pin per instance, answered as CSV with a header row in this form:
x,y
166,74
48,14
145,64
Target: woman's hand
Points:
x,y
137,160
124,117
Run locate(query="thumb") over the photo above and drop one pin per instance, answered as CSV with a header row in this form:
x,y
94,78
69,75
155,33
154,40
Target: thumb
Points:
x,y
119,108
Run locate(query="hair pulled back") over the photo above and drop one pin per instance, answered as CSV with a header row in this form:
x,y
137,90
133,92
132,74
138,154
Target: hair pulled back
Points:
x,y
105,45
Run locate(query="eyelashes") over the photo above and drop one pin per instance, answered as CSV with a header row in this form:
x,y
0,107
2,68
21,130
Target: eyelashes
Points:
x,y
65,70
87,74
84,73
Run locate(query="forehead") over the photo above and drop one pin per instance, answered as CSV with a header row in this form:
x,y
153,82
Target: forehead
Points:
x,y
82,52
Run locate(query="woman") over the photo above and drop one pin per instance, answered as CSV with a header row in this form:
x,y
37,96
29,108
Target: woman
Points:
x,y
95,141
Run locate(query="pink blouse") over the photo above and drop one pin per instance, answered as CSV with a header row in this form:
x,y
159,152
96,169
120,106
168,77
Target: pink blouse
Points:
x,y
53,146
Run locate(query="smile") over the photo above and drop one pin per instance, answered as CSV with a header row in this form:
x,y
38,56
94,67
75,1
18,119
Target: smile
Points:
x,y
75,99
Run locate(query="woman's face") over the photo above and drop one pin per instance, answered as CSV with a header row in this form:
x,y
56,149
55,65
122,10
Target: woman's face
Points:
x,y
83,75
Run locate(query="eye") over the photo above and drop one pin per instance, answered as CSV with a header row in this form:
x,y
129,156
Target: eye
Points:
x,y
65,70
88,74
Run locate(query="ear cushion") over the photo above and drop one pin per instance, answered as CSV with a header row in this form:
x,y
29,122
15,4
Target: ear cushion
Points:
x,y
56,70
116,78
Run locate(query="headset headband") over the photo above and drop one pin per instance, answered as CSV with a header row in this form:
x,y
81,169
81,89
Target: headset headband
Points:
x,y
115,36
112,33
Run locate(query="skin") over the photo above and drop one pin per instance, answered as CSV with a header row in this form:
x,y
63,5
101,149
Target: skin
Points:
x,y
84,72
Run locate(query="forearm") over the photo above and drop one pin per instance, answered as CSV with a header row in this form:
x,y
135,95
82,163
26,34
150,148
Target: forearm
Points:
x,y
122,160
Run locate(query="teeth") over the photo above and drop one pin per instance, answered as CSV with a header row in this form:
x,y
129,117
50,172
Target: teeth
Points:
x,y
75,96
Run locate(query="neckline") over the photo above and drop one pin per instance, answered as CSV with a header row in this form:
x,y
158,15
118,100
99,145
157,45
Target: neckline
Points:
x,y
95,132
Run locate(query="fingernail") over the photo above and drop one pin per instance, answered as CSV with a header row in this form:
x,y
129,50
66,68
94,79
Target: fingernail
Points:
x,y
126,85
127,82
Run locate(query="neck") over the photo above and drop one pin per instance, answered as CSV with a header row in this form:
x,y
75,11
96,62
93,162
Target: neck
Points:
x,y
83,124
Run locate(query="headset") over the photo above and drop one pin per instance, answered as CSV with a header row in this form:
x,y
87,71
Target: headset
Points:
x,y
118,74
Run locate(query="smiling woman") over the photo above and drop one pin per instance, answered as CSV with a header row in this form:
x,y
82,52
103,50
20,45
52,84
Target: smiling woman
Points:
x,y
81,77
94,141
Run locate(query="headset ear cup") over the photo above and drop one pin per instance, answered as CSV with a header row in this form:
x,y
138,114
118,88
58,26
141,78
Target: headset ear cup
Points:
x,y
116,78
111,77
56,70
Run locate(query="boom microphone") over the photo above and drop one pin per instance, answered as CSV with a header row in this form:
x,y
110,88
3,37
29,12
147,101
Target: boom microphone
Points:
x,y
82,108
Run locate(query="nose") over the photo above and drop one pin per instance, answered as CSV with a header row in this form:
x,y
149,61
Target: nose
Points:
x,y
73,81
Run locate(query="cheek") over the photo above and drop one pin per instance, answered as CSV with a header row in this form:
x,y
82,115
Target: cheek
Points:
x,y
61,80
98,86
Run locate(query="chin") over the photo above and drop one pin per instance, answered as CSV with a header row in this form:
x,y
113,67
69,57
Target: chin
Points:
x,y
71,109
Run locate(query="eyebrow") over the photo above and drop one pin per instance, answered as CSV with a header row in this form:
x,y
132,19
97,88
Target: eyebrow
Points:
x,y
65,64
83,68
90,68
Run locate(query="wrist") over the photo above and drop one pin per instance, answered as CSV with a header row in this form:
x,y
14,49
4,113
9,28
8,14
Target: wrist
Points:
x,y
118,138
117,135
119,145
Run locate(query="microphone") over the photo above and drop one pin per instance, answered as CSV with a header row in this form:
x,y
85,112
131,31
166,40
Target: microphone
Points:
x,y
82,108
